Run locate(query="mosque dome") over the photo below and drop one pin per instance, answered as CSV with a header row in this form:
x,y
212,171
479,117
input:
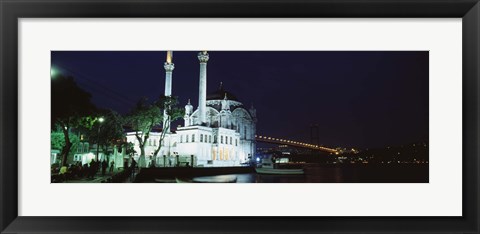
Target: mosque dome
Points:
x,y
220,93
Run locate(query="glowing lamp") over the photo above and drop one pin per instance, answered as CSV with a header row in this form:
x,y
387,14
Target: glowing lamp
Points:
x,y
169,57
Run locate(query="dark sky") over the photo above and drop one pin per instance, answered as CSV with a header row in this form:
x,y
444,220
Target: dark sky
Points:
x,y
358,99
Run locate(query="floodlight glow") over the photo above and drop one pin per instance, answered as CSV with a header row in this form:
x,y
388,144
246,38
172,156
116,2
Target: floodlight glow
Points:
x,y
53,72
101,119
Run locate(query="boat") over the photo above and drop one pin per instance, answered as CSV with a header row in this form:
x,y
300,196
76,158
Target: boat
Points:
x,y
183,181
216,179
209,179
271,167
165,181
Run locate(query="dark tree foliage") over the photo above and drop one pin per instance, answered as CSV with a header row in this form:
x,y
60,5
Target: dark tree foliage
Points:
x,y
109,132
130,149
71,108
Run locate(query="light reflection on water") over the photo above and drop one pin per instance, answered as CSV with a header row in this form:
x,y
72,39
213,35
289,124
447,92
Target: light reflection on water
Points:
x,y
344,174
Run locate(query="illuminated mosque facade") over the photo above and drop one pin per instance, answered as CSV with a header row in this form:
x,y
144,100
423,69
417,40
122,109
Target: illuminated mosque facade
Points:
x,y
219,132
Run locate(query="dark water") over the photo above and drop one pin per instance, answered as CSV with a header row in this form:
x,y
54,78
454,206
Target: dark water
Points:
x,y
397,173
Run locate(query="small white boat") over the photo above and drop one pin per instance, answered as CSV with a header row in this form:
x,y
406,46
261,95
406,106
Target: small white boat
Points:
x,y
271,168
216,179
210,179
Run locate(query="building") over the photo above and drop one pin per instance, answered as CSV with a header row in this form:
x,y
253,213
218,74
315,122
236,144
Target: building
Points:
x,y
219,132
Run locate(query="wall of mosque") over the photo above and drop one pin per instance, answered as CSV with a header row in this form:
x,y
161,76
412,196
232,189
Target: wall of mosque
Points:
x,y
151,144
195,140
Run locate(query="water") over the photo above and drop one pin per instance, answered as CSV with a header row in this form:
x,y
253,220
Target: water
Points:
x,y
358,173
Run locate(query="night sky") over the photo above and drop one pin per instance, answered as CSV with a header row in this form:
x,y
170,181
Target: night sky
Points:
x,y
358,99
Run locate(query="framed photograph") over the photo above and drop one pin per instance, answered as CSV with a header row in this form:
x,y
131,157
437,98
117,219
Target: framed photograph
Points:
x,y
270,116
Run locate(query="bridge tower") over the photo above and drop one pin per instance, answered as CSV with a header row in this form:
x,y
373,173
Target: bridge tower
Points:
x,y
314,134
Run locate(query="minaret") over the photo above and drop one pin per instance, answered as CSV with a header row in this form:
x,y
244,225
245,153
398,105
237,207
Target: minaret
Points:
x,y
169,66
202,93
253,112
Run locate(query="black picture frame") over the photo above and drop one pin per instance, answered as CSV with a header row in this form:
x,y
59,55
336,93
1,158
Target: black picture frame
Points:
x,y
11,11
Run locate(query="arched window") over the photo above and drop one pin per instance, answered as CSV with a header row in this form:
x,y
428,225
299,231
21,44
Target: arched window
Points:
x,y
221,139
215,139
186,140
193,137
209,138
80,148
201,137
181,138
231,141
236,142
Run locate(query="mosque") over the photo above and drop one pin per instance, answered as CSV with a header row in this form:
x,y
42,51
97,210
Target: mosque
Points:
x,y
219,132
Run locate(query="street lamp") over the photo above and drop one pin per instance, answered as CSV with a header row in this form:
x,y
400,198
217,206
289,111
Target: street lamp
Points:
x,y
100,120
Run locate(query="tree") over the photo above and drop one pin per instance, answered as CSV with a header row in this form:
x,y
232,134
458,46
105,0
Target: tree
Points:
x,y
57,140
145,116
129,149
108,133
173,112
71,108
142,119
